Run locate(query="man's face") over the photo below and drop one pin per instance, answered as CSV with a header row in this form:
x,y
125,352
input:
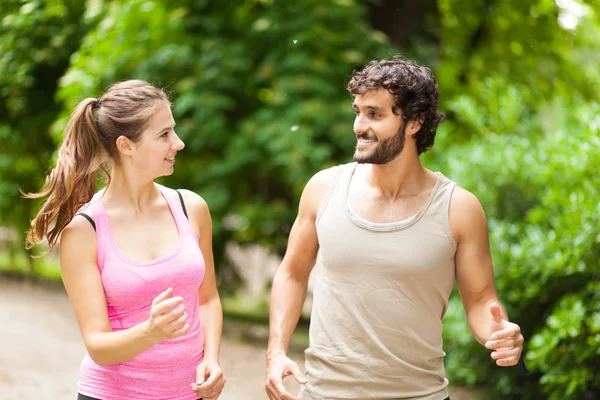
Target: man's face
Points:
x,y
379,132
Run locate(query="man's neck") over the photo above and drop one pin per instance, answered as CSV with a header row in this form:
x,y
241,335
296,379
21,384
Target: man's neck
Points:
x,y
405,175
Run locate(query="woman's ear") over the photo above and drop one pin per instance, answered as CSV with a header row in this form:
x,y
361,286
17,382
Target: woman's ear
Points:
x,y
125,146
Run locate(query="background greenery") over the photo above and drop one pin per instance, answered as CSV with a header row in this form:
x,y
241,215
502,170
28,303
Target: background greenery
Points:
x,y
258,89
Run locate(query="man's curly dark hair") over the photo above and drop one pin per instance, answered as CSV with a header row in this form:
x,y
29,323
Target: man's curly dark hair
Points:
x,y
414,89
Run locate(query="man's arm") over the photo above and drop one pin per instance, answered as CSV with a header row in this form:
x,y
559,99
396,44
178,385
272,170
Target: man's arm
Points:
x,y
486,317
290,284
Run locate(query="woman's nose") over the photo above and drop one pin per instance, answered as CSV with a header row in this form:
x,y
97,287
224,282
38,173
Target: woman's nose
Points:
x,y
178,143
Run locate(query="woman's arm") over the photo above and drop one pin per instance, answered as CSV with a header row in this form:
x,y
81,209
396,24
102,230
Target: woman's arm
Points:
x,y
208,296
210,378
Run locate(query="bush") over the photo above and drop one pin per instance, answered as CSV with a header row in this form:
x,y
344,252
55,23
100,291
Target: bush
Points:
x,y
540,193
259,90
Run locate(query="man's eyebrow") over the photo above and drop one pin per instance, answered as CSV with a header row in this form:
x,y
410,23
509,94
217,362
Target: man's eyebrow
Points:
x,y
374,108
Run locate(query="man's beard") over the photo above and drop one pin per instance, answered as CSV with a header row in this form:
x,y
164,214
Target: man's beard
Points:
x,y
385,150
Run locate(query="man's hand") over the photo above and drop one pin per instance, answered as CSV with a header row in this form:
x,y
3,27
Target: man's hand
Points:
x,y
507,341
279,367
209,380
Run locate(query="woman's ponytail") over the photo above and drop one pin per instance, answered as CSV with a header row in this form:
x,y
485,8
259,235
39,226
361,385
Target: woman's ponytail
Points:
x,y
72,183
89,140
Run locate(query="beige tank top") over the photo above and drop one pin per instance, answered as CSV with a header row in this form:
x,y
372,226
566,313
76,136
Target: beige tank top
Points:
x,y
381,291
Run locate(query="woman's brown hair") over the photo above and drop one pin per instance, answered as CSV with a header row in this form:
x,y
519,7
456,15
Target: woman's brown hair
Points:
x,y
89,140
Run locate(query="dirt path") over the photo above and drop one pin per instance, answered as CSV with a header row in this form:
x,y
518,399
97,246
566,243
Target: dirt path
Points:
x,y
41,348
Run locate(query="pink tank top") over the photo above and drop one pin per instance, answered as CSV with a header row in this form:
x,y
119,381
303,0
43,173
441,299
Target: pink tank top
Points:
x,y
166,370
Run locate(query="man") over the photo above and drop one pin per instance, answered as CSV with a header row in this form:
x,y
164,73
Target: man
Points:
x,y
391,237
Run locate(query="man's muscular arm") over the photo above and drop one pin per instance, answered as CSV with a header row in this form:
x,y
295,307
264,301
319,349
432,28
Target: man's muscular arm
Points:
x,y
487,318
290,285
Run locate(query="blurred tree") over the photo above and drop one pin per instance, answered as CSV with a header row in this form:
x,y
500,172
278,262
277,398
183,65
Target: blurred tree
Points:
x,y
520,88
541,197
37,39
260,101
259,95
506,61
406,22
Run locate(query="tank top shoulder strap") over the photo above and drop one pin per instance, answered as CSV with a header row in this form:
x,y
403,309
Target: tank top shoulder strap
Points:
x,y
336,187
86,211
104,240
176,208
95,213
182,204
176,204
440,203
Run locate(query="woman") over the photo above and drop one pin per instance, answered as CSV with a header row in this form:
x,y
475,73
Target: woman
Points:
x,y
136,258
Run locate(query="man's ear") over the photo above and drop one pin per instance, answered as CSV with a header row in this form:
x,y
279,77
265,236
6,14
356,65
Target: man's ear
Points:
x,y
125,146
414,125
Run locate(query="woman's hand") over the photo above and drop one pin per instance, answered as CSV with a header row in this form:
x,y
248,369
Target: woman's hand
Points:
x,y
209,380
167,317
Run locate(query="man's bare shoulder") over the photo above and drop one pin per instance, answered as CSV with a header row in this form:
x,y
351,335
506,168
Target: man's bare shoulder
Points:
x,y
464,201
466,213
316,189
322,179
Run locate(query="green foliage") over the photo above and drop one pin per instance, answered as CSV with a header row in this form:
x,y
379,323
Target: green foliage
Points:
x,y
258,89
36,40
507,59
521,92
540,194
567,349
259,98
18,265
